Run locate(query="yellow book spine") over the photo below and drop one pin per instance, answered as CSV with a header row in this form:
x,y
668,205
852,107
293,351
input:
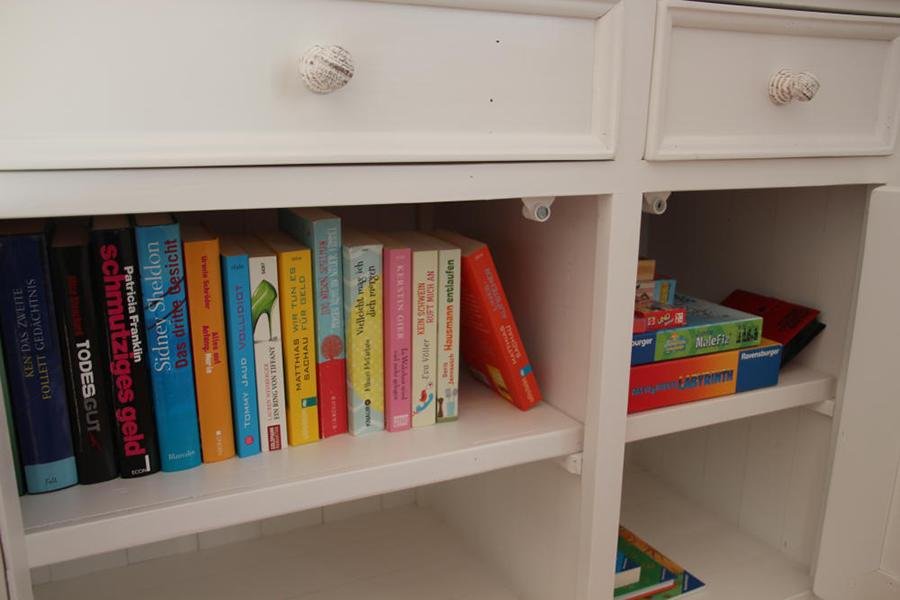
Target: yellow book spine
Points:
x,y
299,345
206,311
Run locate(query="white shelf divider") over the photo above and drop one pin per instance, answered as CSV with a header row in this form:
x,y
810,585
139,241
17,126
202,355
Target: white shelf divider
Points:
x,y
733,564
490,434
798,386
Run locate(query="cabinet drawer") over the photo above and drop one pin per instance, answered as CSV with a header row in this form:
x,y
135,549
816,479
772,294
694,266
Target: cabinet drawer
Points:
x,y
96,83
713,65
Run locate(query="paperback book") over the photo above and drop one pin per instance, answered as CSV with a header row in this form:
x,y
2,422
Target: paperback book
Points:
x,y
239,339
206,311
298,336
320,230
37,387
116,278
161,260
490,341
265,320
683,380
364,335
709,328
87,387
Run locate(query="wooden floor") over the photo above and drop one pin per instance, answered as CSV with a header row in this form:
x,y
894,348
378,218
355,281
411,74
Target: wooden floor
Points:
x,y
398,554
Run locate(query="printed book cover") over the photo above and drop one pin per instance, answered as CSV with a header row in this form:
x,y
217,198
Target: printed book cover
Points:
x,y
628,571
654,577
298,335
265,320
490,341
364,335
320,230
116,276
161,260
34,367
397,330
239,338
791,324
710,328
685,582
653,316
206,311
90,406
656,385
655,290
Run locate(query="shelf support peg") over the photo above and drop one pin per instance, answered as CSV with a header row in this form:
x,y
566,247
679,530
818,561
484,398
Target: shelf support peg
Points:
x,y
571,463
655,203
537,208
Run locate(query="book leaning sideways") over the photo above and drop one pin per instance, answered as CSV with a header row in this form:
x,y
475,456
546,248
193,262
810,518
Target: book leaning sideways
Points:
x,y
161,260
34,364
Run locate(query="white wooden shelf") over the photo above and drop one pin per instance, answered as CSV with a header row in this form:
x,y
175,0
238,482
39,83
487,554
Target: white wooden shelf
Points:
x,y
490,434
401,554
797,386
733,564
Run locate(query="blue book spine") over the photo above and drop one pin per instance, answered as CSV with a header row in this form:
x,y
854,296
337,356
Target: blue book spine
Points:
x,y
241,364
169,343
36,380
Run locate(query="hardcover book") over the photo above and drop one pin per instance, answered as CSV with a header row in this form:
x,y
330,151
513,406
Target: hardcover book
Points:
x,y
490,341
397,291
10,426
206,310
685,582
37,387
364,335
683,380
265,319
161,260
447,374
116,274
298,334
792,325
653,316
654,290
320,230
423,367
710,328
239,338
87,387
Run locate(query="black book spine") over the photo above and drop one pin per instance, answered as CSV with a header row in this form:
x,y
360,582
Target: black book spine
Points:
x,y
116,279
83,358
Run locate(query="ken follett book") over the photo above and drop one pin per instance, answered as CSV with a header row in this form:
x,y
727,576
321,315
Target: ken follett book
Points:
x,y
33,360
158,242
116,280
709,328
85,364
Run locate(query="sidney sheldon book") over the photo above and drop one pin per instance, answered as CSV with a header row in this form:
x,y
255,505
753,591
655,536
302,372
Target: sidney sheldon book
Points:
x,y
33,361
116,280
85,369
160,257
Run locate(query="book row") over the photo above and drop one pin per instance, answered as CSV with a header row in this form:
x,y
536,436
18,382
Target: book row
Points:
x,y
146,344
685,349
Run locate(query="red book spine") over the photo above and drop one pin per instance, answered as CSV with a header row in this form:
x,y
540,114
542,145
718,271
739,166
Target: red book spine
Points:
x,y
491,344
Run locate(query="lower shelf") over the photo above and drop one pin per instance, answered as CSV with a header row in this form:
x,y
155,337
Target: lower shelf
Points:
x,y
733,564
490,434
398,554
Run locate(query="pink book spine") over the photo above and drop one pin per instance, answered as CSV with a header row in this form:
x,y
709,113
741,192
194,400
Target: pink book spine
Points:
x,y
397,338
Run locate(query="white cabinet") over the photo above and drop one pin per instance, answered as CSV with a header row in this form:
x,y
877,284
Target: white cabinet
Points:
x,y
456,110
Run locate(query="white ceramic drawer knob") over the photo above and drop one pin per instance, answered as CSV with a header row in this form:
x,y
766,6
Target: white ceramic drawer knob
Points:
x,y
786,85
326,69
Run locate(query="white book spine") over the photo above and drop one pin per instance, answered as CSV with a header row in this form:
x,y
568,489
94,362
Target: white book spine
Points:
x,y
267,350
424,337
447,407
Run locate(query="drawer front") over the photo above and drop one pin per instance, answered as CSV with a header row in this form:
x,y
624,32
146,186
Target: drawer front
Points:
x,y
101,83
715,68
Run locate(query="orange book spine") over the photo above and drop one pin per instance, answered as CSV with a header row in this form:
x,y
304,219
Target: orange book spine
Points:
x,y
207,318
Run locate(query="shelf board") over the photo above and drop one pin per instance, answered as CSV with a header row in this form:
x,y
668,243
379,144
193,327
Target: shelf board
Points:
x,y
733,564
402,554
797,386
490,434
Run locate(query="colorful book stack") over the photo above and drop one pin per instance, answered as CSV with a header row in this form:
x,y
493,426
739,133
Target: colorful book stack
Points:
x,y
135,345
657,576
686,349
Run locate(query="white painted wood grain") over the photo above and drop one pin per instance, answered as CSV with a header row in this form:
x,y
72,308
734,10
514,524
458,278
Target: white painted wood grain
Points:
x,y
178,545
229,535
890,558
89,564
292,521
352,508
726,464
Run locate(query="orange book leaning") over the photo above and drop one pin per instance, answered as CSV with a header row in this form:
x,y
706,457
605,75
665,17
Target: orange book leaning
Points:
x,y
489,338
207,318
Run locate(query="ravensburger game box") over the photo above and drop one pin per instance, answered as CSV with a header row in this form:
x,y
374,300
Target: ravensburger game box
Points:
x,y
700,377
